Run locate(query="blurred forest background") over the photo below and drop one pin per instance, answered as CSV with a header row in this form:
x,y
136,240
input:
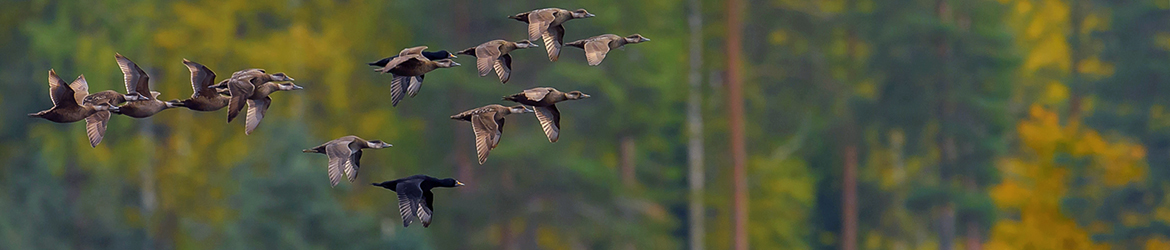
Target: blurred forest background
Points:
x,y
899,124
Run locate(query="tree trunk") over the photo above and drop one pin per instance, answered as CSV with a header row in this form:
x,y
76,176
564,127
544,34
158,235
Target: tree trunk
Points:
x,y
629,153
695,128
849,200
946,230
465,170
735,113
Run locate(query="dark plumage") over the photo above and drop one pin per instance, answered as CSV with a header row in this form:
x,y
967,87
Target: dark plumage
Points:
x,y
433,56
488,124
494,55
546,24
68,101
597,47
138,82
344,154
408,70
544,100
415,199
204,97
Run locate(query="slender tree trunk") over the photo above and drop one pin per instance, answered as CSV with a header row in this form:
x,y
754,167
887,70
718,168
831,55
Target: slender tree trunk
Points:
x,y
629,152
949,154
849,208
695,128
735,113
465,170
74,180
849,200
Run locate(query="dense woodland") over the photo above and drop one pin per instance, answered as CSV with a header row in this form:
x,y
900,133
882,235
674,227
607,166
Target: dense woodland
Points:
x,y
962,124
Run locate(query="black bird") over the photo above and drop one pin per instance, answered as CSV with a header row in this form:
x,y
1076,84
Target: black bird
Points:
x,y
415,199
433,56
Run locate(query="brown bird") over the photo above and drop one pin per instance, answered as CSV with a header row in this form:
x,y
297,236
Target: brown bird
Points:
x,y
408,70
204,98
95,124
488,124
596,47
68,101
138,82
494,54
546,23
344,154
244,89
255,76
544,100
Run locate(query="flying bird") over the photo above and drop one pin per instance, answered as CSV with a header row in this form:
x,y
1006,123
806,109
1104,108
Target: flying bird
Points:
x,y
494,55
344,154
204,98
138,83
408,70
596,47
415,199
546,24
253,88
488,124
68,101
544,100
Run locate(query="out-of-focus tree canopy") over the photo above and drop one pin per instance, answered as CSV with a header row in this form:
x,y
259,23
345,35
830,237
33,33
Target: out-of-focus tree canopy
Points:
x,y
1019,124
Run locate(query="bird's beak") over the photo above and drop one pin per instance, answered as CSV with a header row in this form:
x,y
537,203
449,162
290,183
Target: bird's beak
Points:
x,y
296,87
458,184
452,55
455,63
529,110
645,39
585,96
590,15
389,145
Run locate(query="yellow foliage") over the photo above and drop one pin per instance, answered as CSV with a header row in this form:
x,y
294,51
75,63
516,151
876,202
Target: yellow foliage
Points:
x,y
1034,183
1162,39
1050,51
1157,243
1095,67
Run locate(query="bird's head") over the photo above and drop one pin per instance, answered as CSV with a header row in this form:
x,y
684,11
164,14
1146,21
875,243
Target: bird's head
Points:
x,y
378,144
446,63
575,95
581,13
520,109
636,38
524,44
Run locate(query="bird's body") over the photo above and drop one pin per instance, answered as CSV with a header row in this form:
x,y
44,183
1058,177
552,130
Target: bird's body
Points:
x,y
546,24
430,55
409,69
344,155
415,199
95,124
256,96
488,124
68,101
494,55
543,100
598,46
204,98
138,82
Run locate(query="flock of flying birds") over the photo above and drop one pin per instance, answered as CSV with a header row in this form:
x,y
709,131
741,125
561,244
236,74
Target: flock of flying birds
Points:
x,y
72,102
